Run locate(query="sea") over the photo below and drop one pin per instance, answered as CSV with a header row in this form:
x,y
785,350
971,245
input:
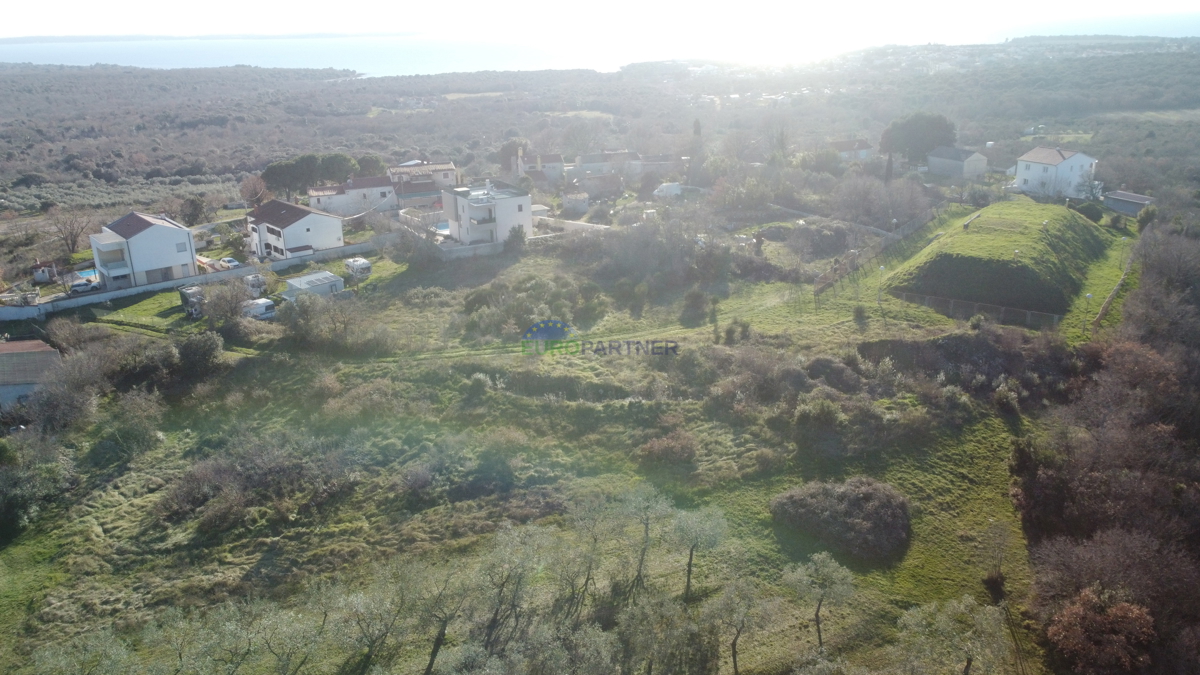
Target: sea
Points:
x,y
419,54
368,55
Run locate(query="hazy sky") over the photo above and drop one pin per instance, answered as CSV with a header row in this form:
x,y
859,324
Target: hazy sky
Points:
x,y
751,31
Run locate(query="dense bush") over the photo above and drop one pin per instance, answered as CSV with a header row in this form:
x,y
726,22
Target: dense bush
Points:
x,y
33,471
200,353
1090,210
863,517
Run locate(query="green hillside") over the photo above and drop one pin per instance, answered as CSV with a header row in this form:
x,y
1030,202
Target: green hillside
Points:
x,y
978,263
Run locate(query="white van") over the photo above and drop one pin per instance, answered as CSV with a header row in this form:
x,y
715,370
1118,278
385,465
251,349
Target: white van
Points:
x,y
359,268
261,309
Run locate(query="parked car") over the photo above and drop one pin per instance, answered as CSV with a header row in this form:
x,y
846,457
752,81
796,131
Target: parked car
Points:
x,y
84,286
230,263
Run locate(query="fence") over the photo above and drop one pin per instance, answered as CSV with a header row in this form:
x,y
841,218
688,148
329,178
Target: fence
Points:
x,y
965,309
861,257
41,310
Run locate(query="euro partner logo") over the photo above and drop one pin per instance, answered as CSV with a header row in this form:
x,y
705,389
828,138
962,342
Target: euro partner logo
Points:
x,y
558,338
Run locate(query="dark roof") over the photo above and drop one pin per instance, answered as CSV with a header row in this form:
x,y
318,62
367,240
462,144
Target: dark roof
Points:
x,y
367,182
850,146
24,361
956,154
1051,156
133,223
282,214
537,176
1129,197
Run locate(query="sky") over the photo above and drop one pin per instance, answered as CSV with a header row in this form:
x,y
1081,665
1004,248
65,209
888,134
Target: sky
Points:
x,y
615,31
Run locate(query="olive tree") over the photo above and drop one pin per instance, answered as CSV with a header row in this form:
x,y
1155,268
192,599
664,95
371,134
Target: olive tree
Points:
x,y
740,610
955,635
821,580
646,507
701,530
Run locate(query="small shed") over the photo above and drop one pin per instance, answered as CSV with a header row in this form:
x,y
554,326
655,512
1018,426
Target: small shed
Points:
x,y
320,283
22,365
1127,203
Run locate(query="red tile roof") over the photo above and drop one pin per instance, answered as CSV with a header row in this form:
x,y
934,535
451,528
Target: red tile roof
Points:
x,y
1051,156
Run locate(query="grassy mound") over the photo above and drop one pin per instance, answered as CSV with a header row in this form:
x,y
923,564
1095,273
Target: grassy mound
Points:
x,y
978,263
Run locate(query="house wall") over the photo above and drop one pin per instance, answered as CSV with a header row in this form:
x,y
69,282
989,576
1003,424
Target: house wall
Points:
x,y
1061,180
1122,206
940,166
356,201
156,248
316,230
975,167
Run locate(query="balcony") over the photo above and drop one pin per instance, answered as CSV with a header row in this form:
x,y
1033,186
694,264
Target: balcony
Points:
x,y
113,268
483,221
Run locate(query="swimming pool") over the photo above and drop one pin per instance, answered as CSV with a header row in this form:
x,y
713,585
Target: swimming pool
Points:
x,y
89,275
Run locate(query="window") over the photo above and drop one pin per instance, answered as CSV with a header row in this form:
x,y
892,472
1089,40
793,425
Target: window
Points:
x,y
274,232
318,200
1026,167
446,174
383,194
254,229
181,247
1025,182
1045,169
520,208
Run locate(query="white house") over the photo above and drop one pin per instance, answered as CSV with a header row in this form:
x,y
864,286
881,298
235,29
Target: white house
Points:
x,y
956,163
487,212
355,196
280,230
852,150
1055,172
551,166
139,249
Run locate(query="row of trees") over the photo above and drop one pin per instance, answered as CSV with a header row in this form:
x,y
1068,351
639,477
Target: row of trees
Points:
x,y
582,600
300,173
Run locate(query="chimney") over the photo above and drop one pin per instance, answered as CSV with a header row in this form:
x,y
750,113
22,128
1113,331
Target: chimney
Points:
x,y
539,161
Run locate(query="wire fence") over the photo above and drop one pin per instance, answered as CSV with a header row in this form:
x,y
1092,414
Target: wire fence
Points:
x,y
857,259
965,309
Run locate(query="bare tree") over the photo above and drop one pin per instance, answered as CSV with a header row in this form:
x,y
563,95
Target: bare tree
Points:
x,y
443,597
69,226
254,190
223,302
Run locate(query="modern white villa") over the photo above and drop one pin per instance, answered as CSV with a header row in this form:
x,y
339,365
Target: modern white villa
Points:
x,y
279,230
486,212
139,249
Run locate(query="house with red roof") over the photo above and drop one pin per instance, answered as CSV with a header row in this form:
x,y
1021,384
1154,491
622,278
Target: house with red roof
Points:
x,y
354,197
140,248
1054,172
280,230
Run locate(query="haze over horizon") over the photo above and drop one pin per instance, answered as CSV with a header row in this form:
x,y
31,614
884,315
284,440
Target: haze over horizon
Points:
x,y
540,35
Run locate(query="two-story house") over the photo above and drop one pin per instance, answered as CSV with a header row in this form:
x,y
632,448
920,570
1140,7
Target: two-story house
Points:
x,y
487,212
1054,172
956,163
140,248
280,230
419,183
355,196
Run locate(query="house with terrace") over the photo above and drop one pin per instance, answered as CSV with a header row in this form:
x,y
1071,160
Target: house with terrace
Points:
x,y
355,196
487,212
279,230
139,249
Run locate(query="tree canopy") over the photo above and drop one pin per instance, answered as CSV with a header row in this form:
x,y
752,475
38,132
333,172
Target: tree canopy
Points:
x,y
916,135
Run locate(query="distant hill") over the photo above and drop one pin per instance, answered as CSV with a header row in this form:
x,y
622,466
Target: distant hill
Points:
x,y
978,263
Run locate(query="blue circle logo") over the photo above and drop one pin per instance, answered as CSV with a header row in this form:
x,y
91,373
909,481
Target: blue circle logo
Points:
x,y
550,329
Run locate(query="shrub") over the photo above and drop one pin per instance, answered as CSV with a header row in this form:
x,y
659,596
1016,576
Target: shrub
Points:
x,y
1099,634
677,447
1090,211
200,353
695,308
33,471
135,421
515,241
863,517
